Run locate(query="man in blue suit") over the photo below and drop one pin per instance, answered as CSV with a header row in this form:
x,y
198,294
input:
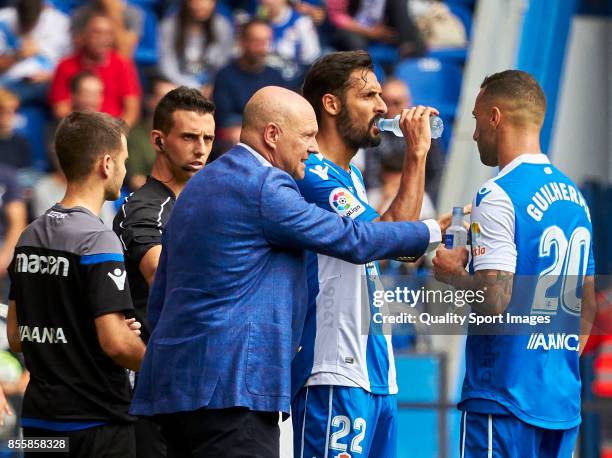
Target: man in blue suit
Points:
x,y
228,302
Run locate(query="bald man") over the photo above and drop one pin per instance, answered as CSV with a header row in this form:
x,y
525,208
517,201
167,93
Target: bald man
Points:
x,y
228,302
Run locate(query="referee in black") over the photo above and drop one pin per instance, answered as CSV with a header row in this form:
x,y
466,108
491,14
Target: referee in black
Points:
x,y
182,136
68,301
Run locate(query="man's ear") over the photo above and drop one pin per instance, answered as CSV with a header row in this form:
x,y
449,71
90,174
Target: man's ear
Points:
x,y
271,135
495,116
106,165
331,104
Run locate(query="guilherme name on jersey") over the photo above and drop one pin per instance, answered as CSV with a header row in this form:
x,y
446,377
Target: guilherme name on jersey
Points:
x,y
41,335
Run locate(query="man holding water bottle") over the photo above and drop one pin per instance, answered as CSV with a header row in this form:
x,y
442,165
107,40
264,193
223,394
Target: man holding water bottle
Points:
x,y
532,256
343,378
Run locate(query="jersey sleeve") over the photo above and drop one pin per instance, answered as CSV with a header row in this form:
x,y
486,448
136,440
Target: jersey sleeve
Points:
x,y
139,229
492,229
590,270
320,186
105,276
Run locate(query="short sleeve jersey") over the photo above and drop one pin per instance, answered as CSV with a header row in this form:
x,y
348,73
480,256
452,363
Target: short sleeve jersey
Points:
x,y
139,224
341,344
67,271
531,220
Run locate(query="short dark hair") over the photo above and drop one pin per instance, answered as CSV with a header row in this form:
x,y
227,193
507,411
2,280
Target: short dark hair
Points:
x,y
331,74
247,25
519,92
75,82
181,98
82,138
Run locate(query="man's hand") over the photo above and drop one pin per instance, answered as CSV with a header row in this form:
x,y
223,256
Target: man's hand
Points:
x,y
5,408
449,265
133,325
29,48
414,123
381,32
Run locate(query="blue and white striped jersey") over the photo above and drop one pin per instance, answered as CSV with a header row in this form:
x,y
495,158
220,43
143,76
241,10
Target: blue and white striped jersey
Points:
x,y
531,220
340,344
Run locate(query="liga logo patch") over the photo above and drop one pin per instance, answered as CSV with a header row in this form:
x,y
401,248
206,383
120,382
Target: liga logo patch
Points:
x,y
345,203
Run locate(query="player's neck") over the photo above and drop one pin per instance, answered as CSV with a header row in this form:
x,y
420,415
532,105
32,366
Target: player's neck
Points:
x,y
87,195
162,173
513,144
334,148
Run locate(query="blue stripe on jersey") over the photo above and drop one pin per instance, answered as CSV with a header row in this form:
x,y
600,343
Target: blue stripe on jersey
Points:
x,y
59,425
101,257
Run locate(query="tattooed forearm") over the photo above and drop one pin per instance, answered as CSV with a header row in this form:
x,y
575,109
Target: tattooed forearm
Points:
x,y
496,286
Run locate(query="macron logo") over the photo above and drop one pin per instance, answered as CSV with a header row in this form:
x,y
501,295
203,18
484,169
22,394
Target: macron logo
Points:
x,y
320,171
482,193
547,342
118,277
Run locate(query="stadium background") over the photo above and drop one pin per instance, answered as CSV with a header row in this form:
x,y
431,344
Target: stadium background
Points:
x,y
567,46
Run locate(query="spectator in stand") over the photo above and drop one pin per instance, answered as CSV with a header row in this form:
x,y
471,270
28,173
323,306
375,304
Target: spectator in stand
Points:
x,y
238,81
13,220
86,92
315,9
126,19
14,148
121,87
396,95
295,41
34,36
194,44
360,22
142,154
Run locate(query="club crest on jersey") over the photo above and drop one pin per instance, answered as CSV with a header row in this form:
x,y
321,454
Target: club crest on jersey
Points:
x,y
320,171
477,250
344,455
118,277
345,203
481,194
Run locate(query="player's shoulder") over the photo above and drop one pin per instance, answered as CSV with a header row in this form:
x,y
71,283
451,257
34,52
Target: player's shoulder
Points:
x,y
103,242
491,198
319,173
490,191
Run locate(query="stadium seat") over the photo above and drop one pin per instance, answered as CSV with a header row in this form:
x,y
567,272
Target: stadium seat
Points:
x,y
432,82
467,4
146,52
456,55
464,15
32,122
384,54
379,72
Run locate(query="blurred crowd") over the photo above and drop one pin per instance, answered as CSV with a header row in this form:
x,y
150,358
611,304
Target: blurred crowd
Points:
x,y
121,57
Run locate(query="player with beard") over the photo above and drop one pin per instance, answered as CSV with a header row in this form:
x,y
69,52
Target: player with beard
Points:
x,y
343,378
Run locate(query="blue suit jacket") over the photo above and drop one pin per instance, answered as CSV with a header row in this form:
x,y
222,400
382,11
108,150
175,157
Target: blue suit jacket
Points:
x,y
228,303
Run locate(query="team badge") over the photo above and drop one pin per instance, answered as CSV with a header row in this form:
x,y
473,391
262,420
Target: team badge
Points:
x,y
320,171
477,250
481,194
344,455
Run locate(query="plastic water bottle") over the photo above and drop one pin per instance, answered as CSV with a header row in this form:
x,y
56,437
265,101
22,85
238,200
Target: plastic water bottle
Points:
x,y
392,125
456,235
